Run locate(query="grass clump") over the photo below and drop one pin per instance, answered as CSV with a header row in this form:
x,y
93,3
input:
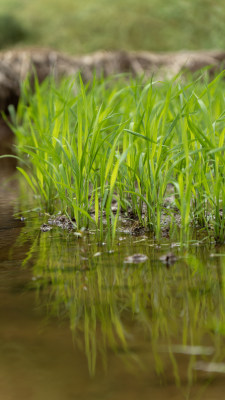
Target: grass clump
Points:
x,y
127,141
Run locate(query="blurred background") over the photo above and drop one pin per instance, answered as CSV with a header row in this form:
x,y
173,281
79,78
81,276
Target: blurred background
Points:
x,y
79,27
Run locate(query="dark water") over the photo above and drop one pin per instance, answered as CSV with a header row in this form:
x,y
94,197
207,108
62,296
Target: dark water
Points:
x,y
78,322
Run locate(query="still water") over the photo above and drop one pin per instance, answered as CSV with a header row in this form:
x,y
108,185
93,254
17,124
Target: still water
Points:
x,y
79,321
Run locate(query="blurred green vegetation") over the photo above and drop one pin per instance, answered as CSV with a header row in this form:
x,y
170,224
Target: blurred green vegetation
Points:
x,y
11,31
80,27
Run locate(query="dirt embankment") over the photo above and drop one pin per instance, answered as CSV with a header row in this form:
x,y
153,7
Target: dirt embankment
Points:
x,y
16,64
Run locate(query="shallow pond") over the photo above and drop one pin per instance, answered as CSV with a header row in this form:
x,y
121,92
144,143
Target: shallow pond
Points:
x,y
82,320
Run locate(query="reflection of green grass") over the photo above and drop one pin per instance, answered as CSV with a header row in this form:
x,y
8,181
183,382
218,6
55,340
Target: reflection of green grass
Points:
x,y
116,139
107,301
81,27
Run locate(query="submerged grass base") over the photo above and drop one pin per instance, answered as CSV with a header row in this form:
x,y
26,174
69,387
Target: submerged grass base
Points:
x,y
154,149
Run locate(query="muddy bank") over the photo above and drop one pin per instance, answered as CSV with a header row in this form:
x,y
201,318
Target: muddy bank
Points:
x,y
16,64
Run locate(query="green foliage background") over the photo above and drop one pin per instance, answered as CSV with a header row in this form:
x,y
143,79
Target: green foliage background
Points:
x,y
84,26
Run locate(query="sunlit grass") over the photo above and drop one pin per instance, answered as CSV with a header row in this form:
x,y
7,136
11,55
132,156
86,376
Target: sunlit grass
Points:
x,y
124,140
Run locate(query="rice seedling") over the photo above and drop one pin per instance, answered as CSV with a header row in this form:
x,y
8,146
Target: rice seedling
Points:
x,y
126,141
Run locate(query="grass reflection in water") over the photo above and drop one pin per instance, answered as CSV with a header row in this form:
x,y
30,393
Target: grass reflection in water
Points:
x,y
110,303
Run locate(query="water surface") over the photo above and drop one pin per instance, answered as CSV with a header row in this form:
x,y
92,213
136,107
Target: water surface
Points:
x,y
78,322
